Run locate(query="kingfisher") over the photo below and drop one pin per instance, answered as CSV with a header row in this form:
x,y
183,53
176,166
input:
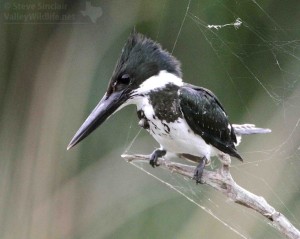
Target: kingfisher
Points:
x,y
186,120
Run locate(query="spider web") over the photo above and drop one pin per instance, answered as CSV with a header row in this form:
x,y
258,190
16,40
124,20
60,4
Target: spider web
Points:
x,y
272,161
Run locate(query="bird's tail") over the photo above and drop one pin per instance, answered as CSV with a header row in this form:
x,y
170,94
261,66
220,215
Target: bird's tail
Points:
x,y
244,129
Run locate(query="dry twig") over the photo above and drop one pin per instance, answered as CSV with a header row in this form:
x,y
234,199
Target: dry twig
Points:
x,y
222,181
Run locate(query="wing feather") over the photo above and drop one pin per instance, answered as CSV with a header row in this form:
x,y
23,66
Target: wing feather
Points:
x,y
207,118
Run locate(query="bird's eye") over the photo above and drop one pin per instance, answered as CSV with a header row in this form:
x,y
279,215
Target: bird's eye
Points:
x,y
121,83
124,79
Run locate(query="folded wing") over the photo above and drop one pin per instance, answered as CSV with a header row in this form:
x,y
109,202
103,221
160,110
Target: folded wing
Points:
x,y
207,118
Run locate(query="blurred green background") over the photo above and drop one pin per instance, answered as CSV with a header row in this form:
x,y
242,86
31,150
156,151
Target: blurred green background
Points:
x,y
56,58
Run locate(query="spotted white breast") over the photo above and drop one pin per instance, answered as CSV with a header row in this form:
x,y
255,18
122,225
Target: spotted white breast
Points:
x,y
176,137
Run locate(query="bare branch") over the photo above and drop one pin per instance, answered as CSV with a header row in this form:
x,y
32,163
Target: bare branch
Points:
x,y
222,181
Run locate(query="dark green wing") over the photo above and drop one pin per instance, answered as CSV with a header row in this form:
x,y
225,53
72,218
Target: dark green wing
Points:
x,y
207,118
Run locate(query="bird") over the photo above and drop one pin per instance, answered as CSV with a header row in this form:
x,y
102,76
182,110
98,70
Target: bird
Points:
x,y
186,120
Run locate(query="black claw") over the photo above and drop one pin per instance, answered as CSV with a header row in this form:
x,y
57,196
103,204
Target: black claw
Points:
x,y
155,155
199,171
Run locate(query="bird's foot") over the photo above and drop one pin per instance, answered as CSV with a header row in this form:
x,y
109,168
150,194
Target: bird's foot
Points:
x,y
155,155
199,171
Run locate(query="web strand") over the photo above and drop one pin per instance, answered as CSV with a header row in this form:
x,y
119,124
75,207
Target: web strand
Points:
x,y
282,95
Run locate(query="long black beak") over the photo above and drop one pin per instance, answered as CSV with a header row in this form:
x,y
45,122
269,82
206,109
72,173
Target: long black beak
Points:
x,y
106,107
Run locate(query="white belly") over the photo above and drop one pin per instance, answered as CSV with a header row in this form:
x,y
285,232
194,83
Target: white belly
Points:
x,y
177,137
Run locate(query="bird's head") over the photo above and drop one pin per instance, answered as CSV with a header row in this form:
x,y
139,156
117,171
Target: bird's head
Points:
x,y
135,73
